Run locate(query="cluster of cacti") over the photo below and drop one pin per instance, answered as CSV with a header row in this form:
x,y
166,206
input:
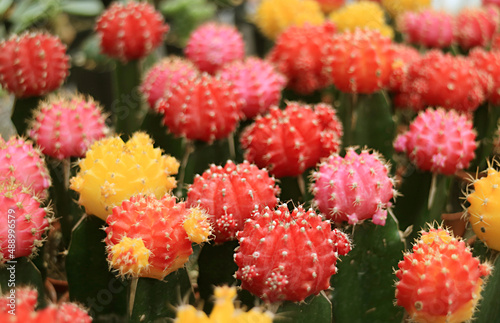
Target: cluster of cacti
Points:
x,y
265,155
362,14
437,29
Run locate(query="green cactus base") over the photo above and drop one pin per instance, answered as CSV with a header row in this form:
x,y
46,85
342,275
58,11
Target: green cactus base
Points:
x,y
316,309
488,309
91,283
363,287
155,299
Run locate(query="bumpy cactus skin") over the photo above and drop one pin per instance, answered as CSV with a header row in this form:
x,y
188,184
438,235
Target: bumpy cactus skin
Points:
x,y
66,127
440,281
488,63
432,29
287,255
231,194
298,55
25,76
147,237
205,108
354,188
130,31
258,83
211,46
164,76
483,210
18,206
21,160
306,134
439,141
113,171
476,27
403,56
359,61
451,82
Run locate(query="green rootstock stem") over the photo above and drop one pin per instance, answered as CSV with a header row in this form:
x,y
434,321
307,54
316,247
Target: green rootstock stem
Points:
x,y
66,210
127,108
486,124
188,150
347,104
358,113
217,268
362,287
170,144
488,309
294,190
424,200
316,308
202,156
91,282
157,299
375,127
22,112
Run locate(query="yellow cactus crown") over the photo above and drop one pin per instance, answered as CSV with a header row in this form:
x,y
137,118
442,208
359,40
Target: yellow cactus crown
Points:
x,y
197,226
130,257
274,16
397,7
363,14
484,209
223,311
112,171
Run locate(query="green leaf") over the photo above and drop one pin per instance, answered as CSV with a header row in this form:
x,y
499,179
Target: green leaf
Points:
x,y
5,5
316,309
83,8
363,288
90,281
25,273
156,299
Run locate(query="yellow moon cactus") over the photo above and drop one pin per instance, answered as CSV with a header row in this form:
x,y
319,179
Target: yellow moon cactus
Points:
x,y
223,311
113,171
484,209
274,16
363,14
397,7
